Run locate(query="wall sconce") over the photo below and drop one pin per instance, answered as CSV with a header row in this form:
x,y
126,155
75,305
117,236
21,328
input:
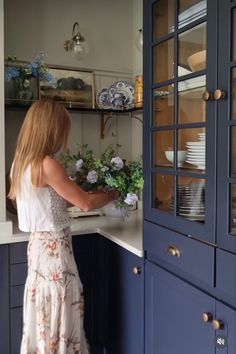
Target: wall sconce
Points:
x,y
139,40
76,44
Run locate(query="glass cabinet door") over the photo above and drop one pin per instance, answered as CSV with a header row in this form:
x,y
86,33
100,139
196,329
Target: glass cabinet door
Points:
x,y
226,218
179,184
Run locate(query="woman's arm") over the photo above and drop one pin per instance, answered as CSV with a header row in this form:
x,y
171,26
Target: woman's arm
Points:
x,y
54,175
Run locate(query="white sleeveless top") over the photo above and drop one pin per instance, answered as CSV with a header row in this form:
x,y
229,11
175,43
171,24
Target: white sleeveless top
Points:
x,y
40,209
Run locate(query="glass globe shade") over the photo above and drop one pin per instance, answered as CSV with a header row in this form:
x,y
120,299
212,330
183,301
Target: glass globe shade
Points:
x,y
139,40
79,49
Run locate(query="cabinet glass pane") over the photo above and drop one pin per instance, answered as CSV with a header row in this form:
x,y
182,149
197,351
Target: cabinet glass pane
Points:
x,y
163,106
190,10
163,61
192,50
191,198
234,35
191,106
233,210
233,152
163,18
163,192
233,90
163,146
192,147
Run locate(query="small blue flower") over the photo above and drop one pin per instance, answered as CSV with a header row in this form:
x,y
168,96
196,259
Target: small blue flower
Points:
x,y
92,177
79,164
72,178
118,162
131,199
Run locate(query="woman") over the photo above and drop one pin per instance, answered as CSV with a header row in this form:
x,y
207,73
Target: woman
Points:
x,y
53,297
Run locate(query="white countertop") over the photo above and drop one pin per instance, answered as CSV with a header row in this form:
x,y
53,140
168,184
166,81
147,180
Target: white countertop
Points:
x,y
125,233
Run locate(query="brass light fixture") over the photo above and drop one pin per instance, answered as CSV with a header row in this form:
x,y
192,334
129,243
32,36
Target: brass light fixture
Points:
x,y
76,44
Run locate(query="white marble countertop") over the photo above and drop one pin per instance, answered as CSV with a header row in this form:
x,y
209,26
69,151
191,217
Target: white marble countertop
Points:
x,y
125,233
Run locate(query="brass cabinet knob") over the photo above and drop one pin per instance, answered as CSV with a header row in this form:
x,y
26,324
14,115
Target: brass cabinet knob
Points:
x,y
217,324
207,317
219,95
173,251
207,96
137,270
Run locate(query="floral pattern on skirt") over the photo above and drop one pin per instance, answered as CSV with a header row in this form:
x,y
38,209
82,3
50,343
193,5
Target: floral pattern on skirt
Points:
x,y
53,297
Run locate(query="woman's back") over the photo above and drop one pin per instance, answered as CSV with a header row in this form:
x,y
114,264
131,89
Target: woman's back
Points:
x,y
40,208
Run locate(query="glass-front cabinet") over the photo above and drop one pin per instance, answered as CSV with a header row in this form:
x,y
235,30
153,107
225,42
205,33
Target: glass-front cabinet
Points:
x,y
180,116
190,118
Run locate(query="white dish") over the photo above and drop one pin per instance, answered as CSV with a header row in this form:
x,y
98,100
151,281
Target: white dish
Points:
x,y
195,143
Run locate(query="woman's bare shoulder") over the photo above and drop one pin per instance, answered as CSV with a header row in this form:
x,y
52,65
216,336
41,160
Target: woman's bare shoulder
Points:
x,y
52,166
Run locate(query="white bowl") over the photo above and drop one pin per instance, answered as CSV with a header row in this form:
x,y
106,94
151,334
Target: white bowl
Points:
x,y
181,156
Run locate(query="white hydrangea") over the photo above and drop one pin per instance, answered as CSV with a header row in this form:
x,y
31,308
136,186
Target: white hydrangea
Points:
x,y
92,177
79,164
118,162
131,198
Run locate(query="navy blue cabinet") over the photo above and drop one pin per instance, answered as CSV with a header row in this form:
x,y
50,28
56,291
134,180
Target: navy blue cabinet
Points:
x,y
125,311
190,176
182,319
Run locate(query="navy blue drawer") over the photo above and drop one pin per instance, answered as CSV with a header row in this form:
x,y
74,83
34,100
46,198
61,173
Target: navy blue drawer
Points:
x,y
18,252
226,275
16,295
181,252
18,274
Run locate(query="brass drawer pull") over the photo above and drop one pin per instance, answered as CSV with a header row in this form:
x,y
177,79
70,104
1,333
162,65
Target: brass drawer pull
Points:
x,y
173,251
137,270
207,317
207,96
219,95
217,324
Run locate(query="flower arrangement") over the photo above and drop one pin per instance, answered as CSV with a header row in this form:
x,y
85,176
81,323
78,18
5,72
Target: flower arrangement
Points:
x,y
21,75
104,173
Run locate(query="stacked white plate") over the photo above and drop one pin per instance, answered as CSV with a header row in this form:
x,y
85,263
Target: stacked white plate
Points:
x,y
191,201
196,152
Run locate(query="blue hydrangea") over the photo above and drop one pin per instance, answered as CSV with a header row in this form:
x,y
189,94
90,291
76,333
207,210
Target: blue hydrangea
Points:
x,y
92,177
117,162
79,164
12,73
131,198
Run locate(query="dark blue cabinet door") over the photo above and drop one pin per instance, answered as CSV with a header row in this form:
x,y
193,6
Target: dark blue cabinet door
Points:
x,y
16,316
4,300
125,309
83,253
226,218
225,338
173,315
168,188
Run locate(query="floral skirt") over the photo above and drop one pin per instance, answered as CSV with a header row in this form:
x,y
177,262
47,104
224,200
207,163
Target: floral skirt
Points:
x,y
53,298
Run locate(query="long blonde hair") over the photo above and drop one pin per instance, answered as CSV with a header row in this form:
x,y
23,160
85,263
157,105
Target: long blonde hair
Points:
x,y
44,132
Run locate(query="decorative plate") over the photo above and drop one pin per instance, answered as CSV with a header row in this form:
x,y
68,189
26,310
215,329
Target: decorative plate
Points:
x,y
119,95
103,99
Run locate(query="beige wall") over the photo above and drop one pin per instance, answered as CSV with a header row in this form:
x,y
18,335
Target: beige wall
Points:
x,y
32,25
110,27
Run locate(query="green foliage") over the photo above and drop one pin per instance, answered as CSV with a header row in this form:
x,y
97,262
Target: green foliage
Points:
x,y
107,172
